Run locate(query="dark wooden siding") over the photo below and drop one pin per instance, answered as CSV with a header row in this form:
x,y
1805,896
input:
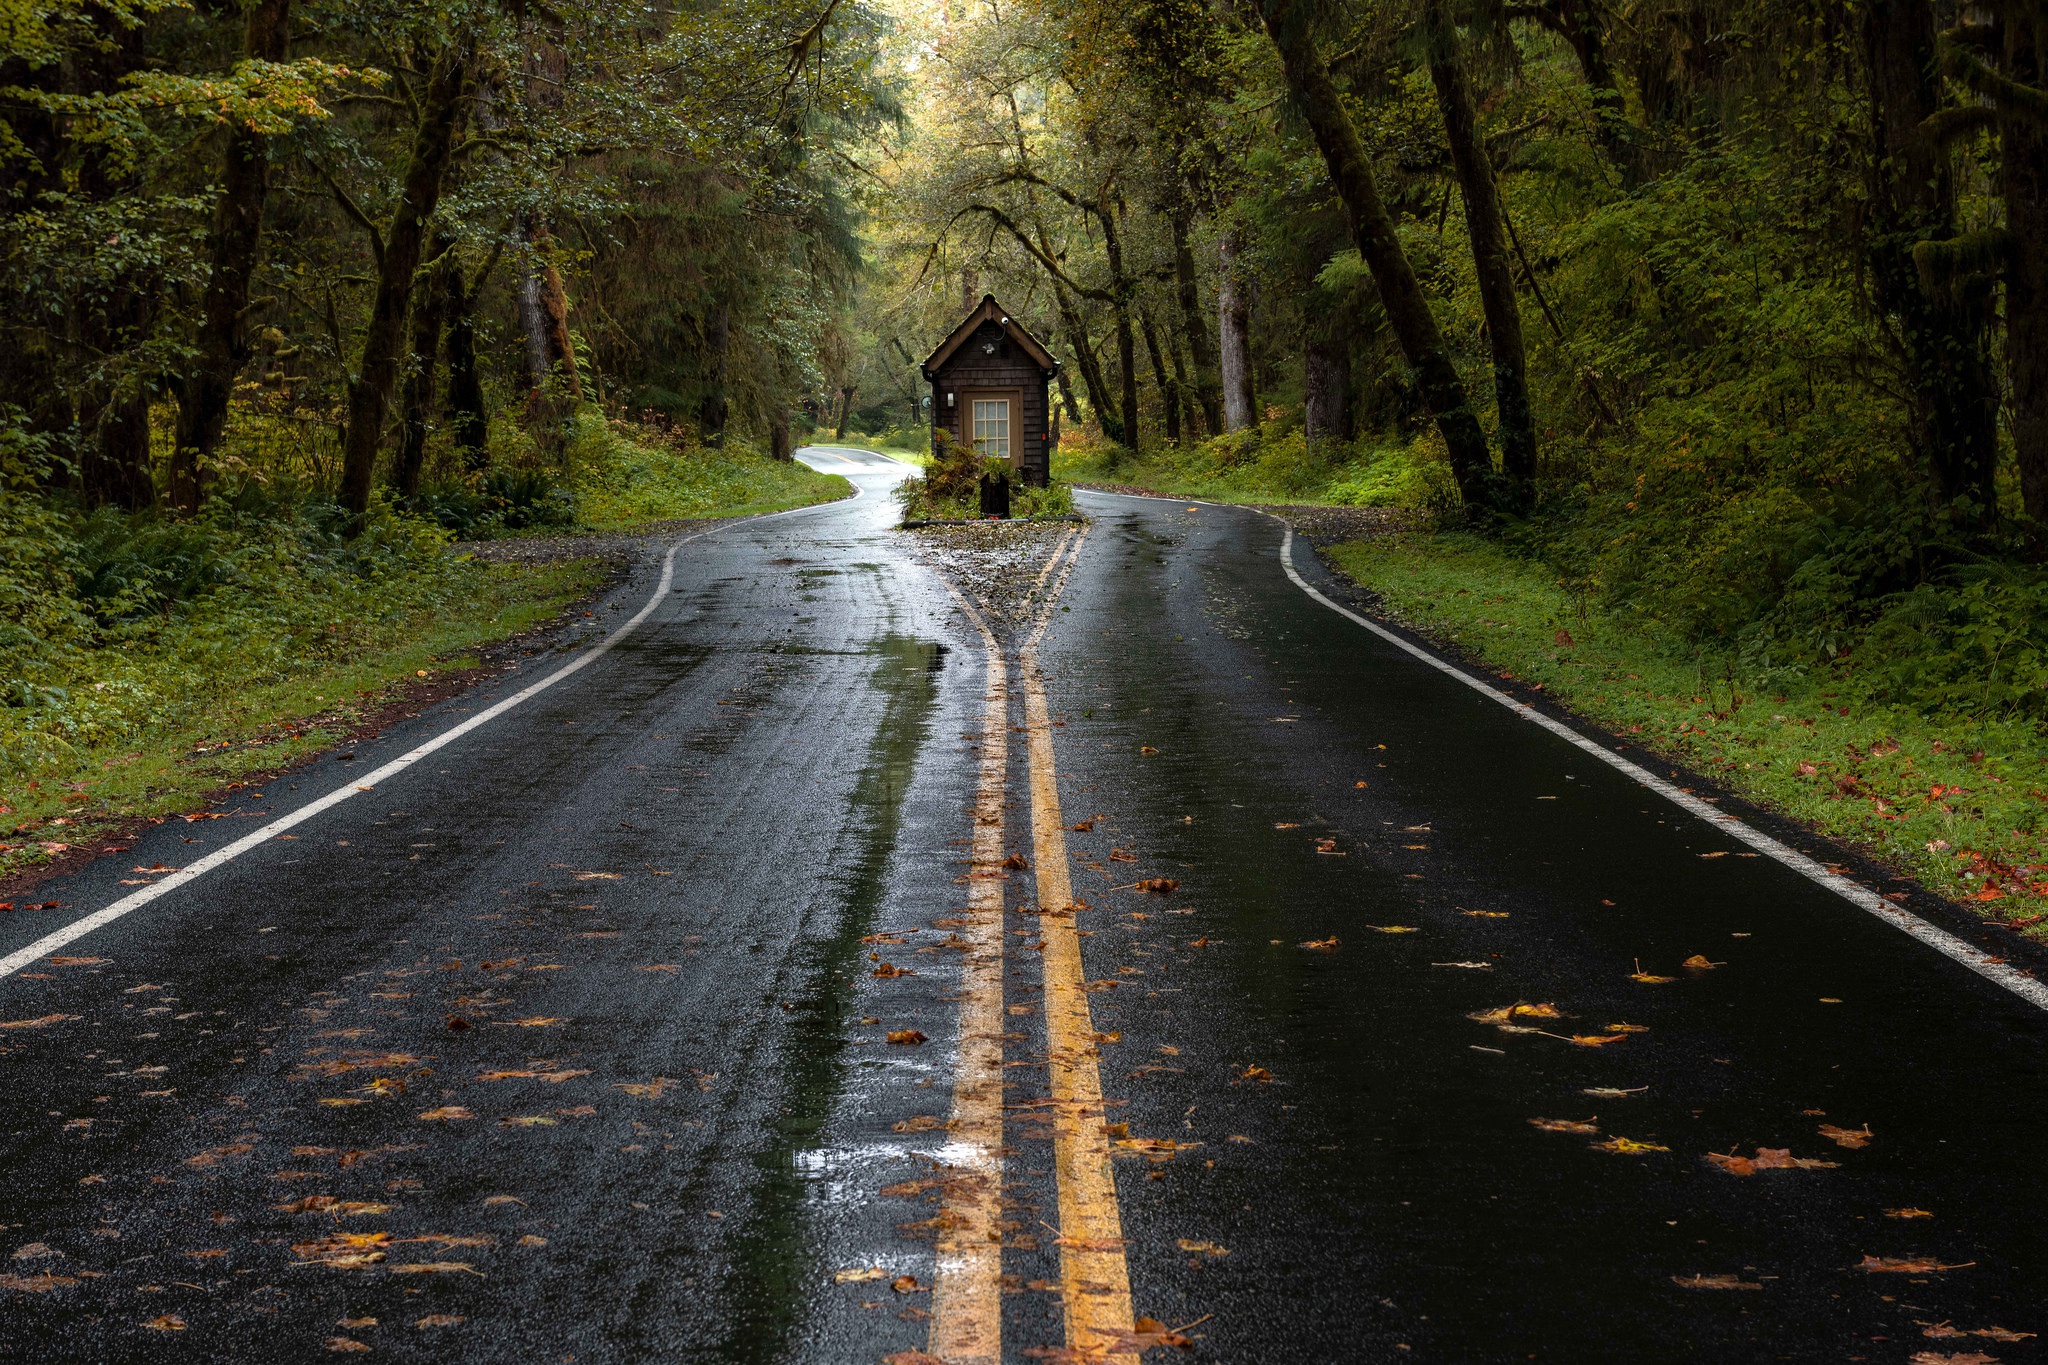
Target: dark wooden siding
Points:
x,y
970,370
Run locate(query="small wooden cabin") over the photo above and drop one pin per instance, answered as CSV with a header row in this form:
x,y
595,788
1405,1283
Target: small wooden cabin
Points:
x,y
989,381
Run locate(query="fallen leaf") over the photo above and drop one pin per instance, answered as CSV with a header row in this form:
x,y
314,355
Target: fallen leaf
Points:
x,y
596,876
1587,1126
920,1123
346,1344
341,1102
1202,1248
1906,1265
1158,885
1908,1213
858,1275
907,1284
435,1268
169,1322
890,969
1485,914
1628,1028
912,1357
1322,945
1326,845
536,1021
908,1037
1851,1138
670,967
1608,1092
447,1112
1989,1333
1255,1073
43,1022
1595,1039
1016,863
1392,928
1622,1146
526,1121
1082,826
1698,963
438,1320
1945,1358
651,1090
36,1284
74,961
1712,1282
215,1155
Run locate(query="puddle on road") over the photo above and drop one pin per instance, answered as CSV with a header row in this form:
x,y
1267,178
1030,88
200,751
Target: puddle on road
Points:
x,y
775,1267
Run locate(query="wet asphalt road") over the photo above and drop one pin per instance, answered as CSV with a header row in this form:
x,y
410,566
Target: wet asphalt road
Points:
x,y
568,1037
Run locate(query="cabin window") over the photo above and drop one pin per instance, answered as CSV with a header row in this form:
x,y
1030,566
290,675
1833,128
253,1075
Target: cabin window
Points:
x,y
992,426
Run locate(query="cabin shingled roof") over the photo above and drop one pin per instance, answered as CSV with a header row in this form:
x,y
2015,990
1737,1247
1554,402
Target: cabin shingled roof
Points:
x,y
988,310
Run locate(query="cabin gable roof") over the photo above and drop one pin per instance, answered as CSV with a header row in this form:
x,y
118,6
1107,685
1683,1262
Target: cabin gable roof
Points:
x,y
988,310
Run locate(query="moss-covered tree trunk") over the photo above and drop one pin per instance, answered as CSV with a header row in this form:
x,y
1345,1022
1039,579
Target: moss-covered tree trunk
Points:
x,y
2023,182
398,258
1187,292
1940,334
1491,267
416,408
219,347
1372,228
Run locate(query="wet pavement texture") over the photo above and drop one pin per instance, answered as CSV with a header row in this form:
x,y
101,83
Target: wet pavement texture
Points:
x,y
567,1043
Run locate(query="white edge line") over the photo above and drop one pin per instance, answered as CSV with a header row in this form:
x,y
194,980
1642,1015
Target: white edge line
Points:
x,y
1862,897
79,928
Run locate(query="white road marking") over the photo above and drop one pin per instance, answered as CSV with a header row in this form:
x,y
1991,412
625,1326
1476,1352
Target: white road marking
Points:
x,y
1862,897
192,871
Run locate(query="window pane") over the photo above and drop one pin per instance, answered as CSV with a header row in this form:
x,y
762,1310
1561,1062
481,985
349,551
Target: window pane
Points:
x,y
992,426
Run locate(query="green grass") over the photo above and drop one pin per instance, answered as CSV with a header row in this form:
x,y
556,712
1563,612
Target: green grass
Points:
x,y
203,707
154,661
1270,464
626,474
1955,800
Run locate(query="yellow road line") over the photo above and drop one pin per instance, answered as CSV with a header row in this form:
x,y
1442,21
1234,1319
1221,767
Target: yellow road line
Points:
x,y
1093,1274
967,1299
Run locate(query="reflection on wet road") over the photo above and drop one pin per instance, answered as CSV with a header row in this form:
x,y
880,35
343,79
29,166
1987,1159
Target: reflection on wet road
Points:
x,y
1323,1010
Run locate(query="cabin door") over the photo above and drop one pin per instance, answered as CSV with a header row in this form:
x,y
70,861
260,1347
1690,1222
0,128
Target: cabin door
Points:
x,y
994,422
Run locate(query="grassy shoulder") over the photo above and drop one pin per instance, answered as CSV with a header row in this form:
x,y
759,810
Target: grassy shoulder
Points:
x,y
625,474
196,710
155,661
1271,463
1958,801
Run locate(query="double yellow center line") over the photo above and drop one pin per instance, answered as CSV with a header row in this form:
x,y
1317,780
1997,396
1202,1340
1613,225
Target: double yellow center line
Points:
x,y
1095,1283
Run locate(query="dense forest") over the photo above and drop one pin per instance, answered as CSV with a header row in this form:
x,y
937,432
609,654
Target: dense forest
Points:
x,y
1730,315
1736,314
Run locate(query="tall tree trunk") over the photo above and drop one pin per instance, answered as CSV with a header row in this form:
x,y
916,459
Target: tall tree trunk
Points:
x,y
369,389
237,235
1193,325
2023,183
467,419
1184,392
1408,311
1325,383
778,433
1169,391
1066,389
1941,335
1490,261
1126,341
845,412
115,468
1091,368
416,406
1233,333
712,412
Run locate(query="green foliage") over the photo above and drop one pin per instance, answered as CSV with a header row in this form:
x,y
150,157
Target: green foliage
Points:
x,y
623,473
1273,463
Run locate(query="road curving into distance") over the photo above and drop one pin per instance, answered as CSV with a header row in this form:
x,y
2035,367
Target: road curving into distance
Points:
x,y
822,967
